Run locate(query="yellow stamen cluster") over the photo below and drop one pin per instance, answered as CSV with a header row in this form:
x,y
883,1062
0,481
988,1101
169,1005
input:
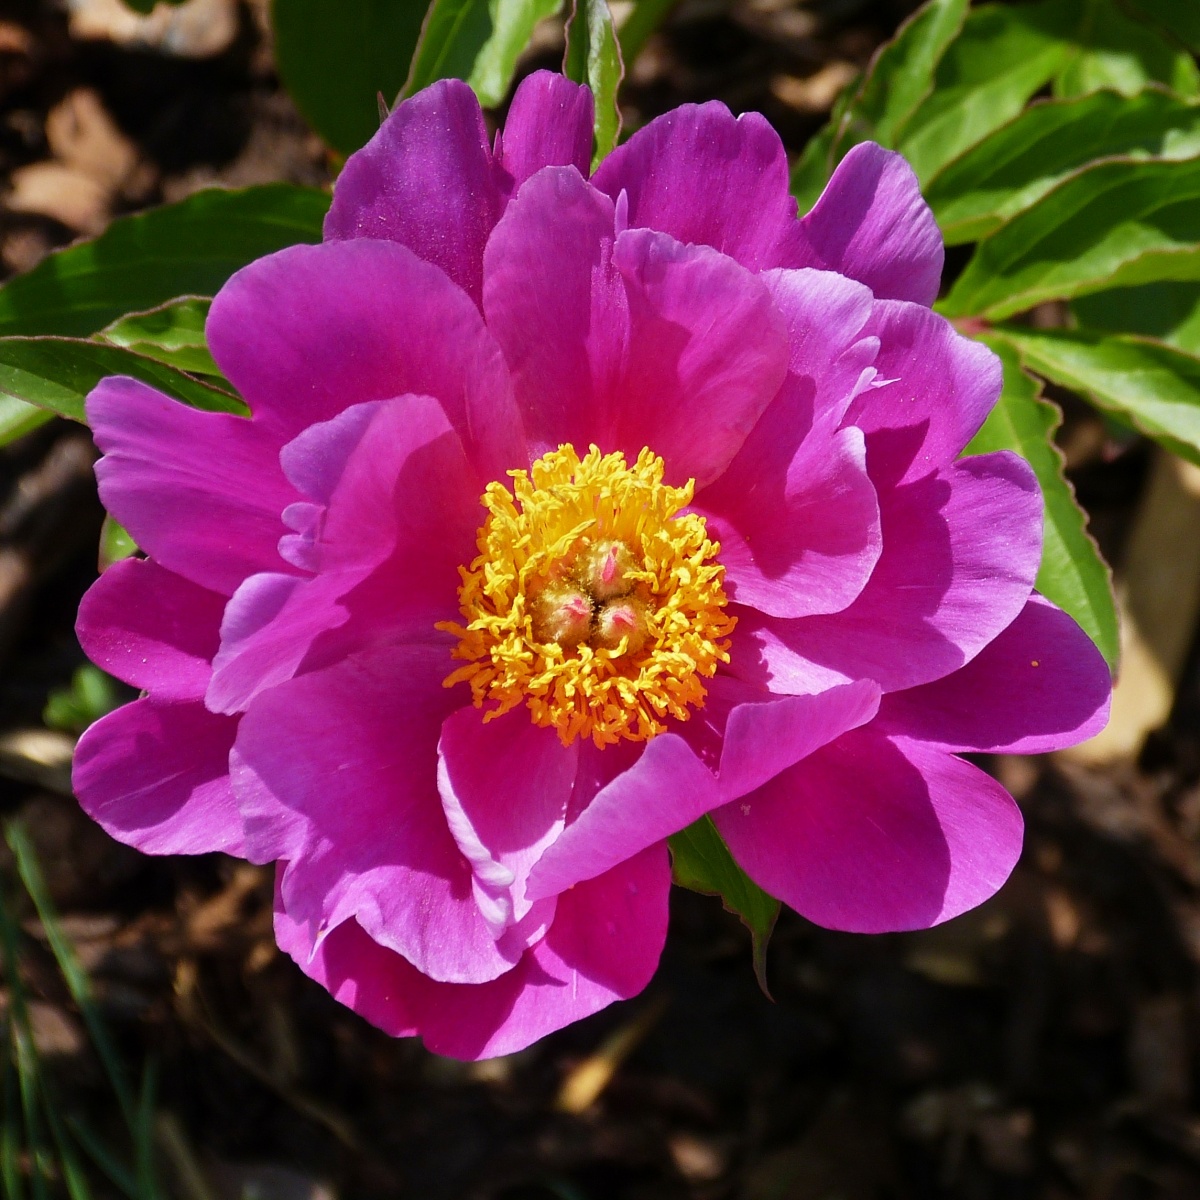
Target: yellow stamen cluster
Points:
x,y
594,600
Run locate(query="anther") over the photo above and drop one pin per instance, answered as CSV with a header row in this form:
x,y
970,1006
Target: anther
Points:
x,y
562,615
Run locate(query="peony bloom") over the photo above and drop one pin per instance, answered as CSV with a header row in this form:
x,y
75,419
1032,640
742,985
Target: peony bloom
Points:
x,y
570,511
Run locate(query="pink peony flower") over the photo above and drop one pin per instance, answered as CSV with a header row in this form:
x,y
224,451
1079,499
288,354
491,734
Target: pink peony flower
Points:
x,y
569,512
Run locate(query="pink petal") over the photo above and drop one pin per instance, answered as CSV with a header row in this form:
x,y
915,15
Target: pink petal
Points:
x,y
1039,686
156,776
604,945
872,834
549,124
200,492
670,786
151,628
703,176
960,552
872,224
357,813
937,388
313,330
629,343
426,180
504,785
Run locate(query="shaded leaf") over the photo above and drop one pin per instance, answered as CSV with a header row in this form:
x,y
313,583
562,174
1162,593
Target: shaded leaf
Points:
x,y
701,862
336,59
1169,312
172,334
593,57
1179,18
1073,575
18,418
189,248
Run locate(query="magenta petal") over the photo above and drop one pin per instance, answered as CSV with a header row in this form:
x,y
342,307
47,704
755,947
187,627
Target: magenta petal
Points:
x,y
872,224
670,786
703,176
604,945
549,124
426,180
151,628
504,785
200,492
313,330
1039,686
357,813
872,834
936,389
960,552
156,776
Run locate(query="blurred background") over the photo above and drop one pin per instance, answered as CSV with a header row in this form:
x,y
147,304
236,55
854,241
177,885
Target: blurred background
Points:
x,y
156,1044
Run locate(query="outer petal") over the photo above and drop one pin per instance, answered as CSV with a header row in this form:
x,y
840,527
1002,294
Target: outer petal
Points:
x,y
872,224
425,180
156,776
1039,686
669,786
200,492
628,342
960,552
873,834
151,628
313,330
357,814
706,177
603,946
936,388
549,124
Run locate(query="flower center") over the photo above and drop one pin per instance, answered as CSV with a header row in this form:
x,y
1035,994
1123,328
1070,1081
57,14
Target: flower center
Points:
x,y
594,599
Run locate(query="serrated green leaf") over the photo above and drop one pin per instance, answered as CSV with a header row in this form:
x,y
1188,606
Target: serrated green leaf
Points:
x,y
1167,312
337,59
57,373
1154,387
1113,51
1114,224
172,334
593,57
189,248
701,862
1016,166
1072,574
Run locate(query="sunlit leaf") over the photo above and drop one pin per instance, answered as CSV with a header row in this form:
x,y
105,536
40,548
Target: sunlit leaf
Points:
x,y
594,57
172,333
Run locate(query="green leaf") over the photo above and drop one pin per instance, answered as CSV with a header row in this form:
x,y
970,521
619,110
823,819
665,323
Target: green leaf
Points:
x,y
1153,386
115,543
593,57
1179,18
1072,574
336,60
189,248
1016,166
701,862
172,333
18,418
635,31
1003,56
476,40
1113,51
90,696
1168,312
810,172
1115,224
58,373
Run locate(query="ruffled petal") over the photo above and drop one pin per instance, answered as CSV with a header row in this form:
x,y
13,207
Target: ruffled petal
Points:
x,y
156,776
960,552
313,330
200,492
549,124
1040,685
356,811
935,389
872,224
151,628
706,177
670,785
874,834
427,181
604,945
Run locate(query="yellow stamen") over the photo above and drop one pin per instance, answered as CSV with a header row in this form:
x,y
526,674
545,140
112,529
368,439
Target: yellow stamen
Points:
x,y
593,599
